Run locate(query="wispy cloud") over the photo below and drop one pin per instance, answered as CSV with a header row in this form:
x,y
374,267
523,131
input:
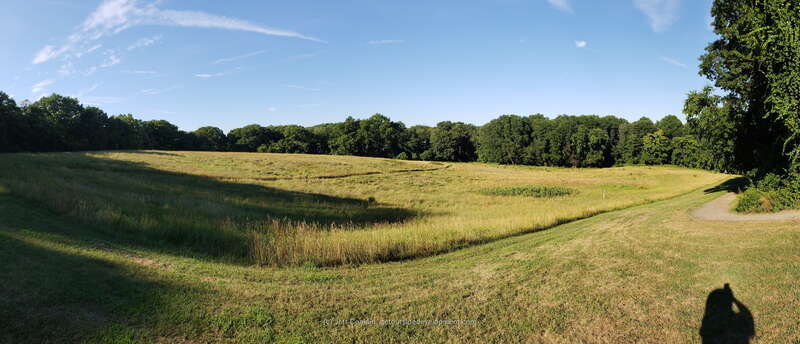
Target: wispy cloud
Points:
x,y
79,54
110,61
562,5
303,88
272,109
673,62
145,72
93,48
40,86
219,74
144,42
115,16
208,76
49,52
581,44
386,41
154,91
66,69
236,58
661,13
86,91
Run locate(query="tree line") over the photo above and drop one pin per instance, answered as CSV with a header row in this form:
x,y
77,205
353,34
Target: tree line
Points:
x,y
59,123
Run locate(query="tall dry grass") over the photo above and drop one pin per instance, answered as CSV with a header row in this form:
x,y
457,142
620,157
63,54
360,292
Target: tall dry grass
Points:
x,y
219,204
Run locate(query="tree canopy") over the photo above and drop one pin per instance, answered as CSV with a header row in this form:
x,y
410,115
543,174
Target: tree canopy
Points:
x,y
755,63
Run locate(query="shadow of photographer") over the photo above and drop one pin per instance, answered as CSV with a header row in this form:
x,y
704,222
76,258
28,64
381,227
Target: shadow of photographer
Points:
x,y
721,324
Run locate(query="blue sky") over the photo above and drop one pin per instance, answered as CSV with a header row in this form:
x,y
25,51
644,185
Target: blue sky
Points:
x,y
232,63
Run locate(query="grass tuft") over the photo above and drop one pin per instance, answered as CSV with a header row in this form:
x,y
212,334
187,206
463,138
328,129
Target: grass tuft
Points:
x,y
529,191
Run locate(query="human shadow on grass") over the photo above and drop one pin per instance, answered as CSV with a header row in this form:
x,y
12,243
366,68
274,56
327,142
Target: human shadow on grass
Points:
x,y
736,185
721,324
176,212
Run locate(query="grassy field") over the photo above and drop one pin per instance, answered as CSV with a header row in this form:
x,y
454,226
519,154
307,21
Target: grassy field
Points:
x,y
275,209
639,275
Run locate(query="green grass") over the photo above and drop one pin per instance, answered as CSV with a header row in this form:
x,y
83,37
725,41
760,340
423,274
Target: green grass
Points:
x,y
291,210
639,275
529,191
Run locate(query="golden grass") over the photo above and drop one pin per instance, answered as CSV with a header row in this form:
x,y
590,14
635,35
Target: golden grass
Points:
x,y
640,275
272,209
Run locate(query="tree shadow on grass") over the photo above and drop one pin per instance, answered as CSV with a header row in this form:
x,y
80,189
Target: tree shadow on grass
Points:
x,y
721,325
135,203
736,185
57,289
50,296
150,152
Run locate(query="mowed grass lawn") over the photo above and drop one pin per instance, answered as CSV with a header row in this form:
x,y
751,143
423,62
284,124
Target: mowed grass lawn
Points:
x,y
639,275
291,210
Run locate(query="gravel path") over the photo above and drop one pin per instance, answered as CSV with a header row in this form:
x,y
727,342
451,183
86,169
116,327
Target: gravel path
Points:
x,y
719,210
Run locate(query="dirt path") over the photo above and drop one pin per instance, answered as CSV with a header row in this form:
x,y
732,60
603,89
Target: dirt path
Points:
x,y
719,210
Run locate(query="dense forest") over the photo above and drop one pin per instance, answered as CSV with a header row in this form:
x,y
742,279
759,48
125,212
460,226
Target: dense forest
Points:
x,y
58,123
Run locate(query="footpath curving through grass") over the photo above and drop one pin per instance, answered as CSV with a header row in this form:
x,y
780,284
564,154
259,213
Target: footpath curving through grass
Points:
x,y
270,209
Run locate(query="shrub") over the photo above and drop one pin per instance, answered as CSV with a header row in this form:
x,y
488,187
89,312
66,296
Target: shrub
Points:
x,y
770,182
771,193
529,191
750,201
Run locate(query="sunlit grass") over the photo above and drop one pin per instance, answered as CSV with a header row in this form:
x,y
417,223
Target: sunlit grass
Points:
x,y
270,209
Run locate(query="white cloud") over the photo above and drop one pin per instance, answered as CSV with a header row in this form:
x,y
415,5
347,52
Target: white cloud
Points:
x,y
148,72
661,13
236,58
110,61
581,44
115,16
208,76
386,41
214,75
303,88
88,51
86,91
49,52
93,48
40,86
673,62
144,42
272,109
154,91
66,69
562,5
